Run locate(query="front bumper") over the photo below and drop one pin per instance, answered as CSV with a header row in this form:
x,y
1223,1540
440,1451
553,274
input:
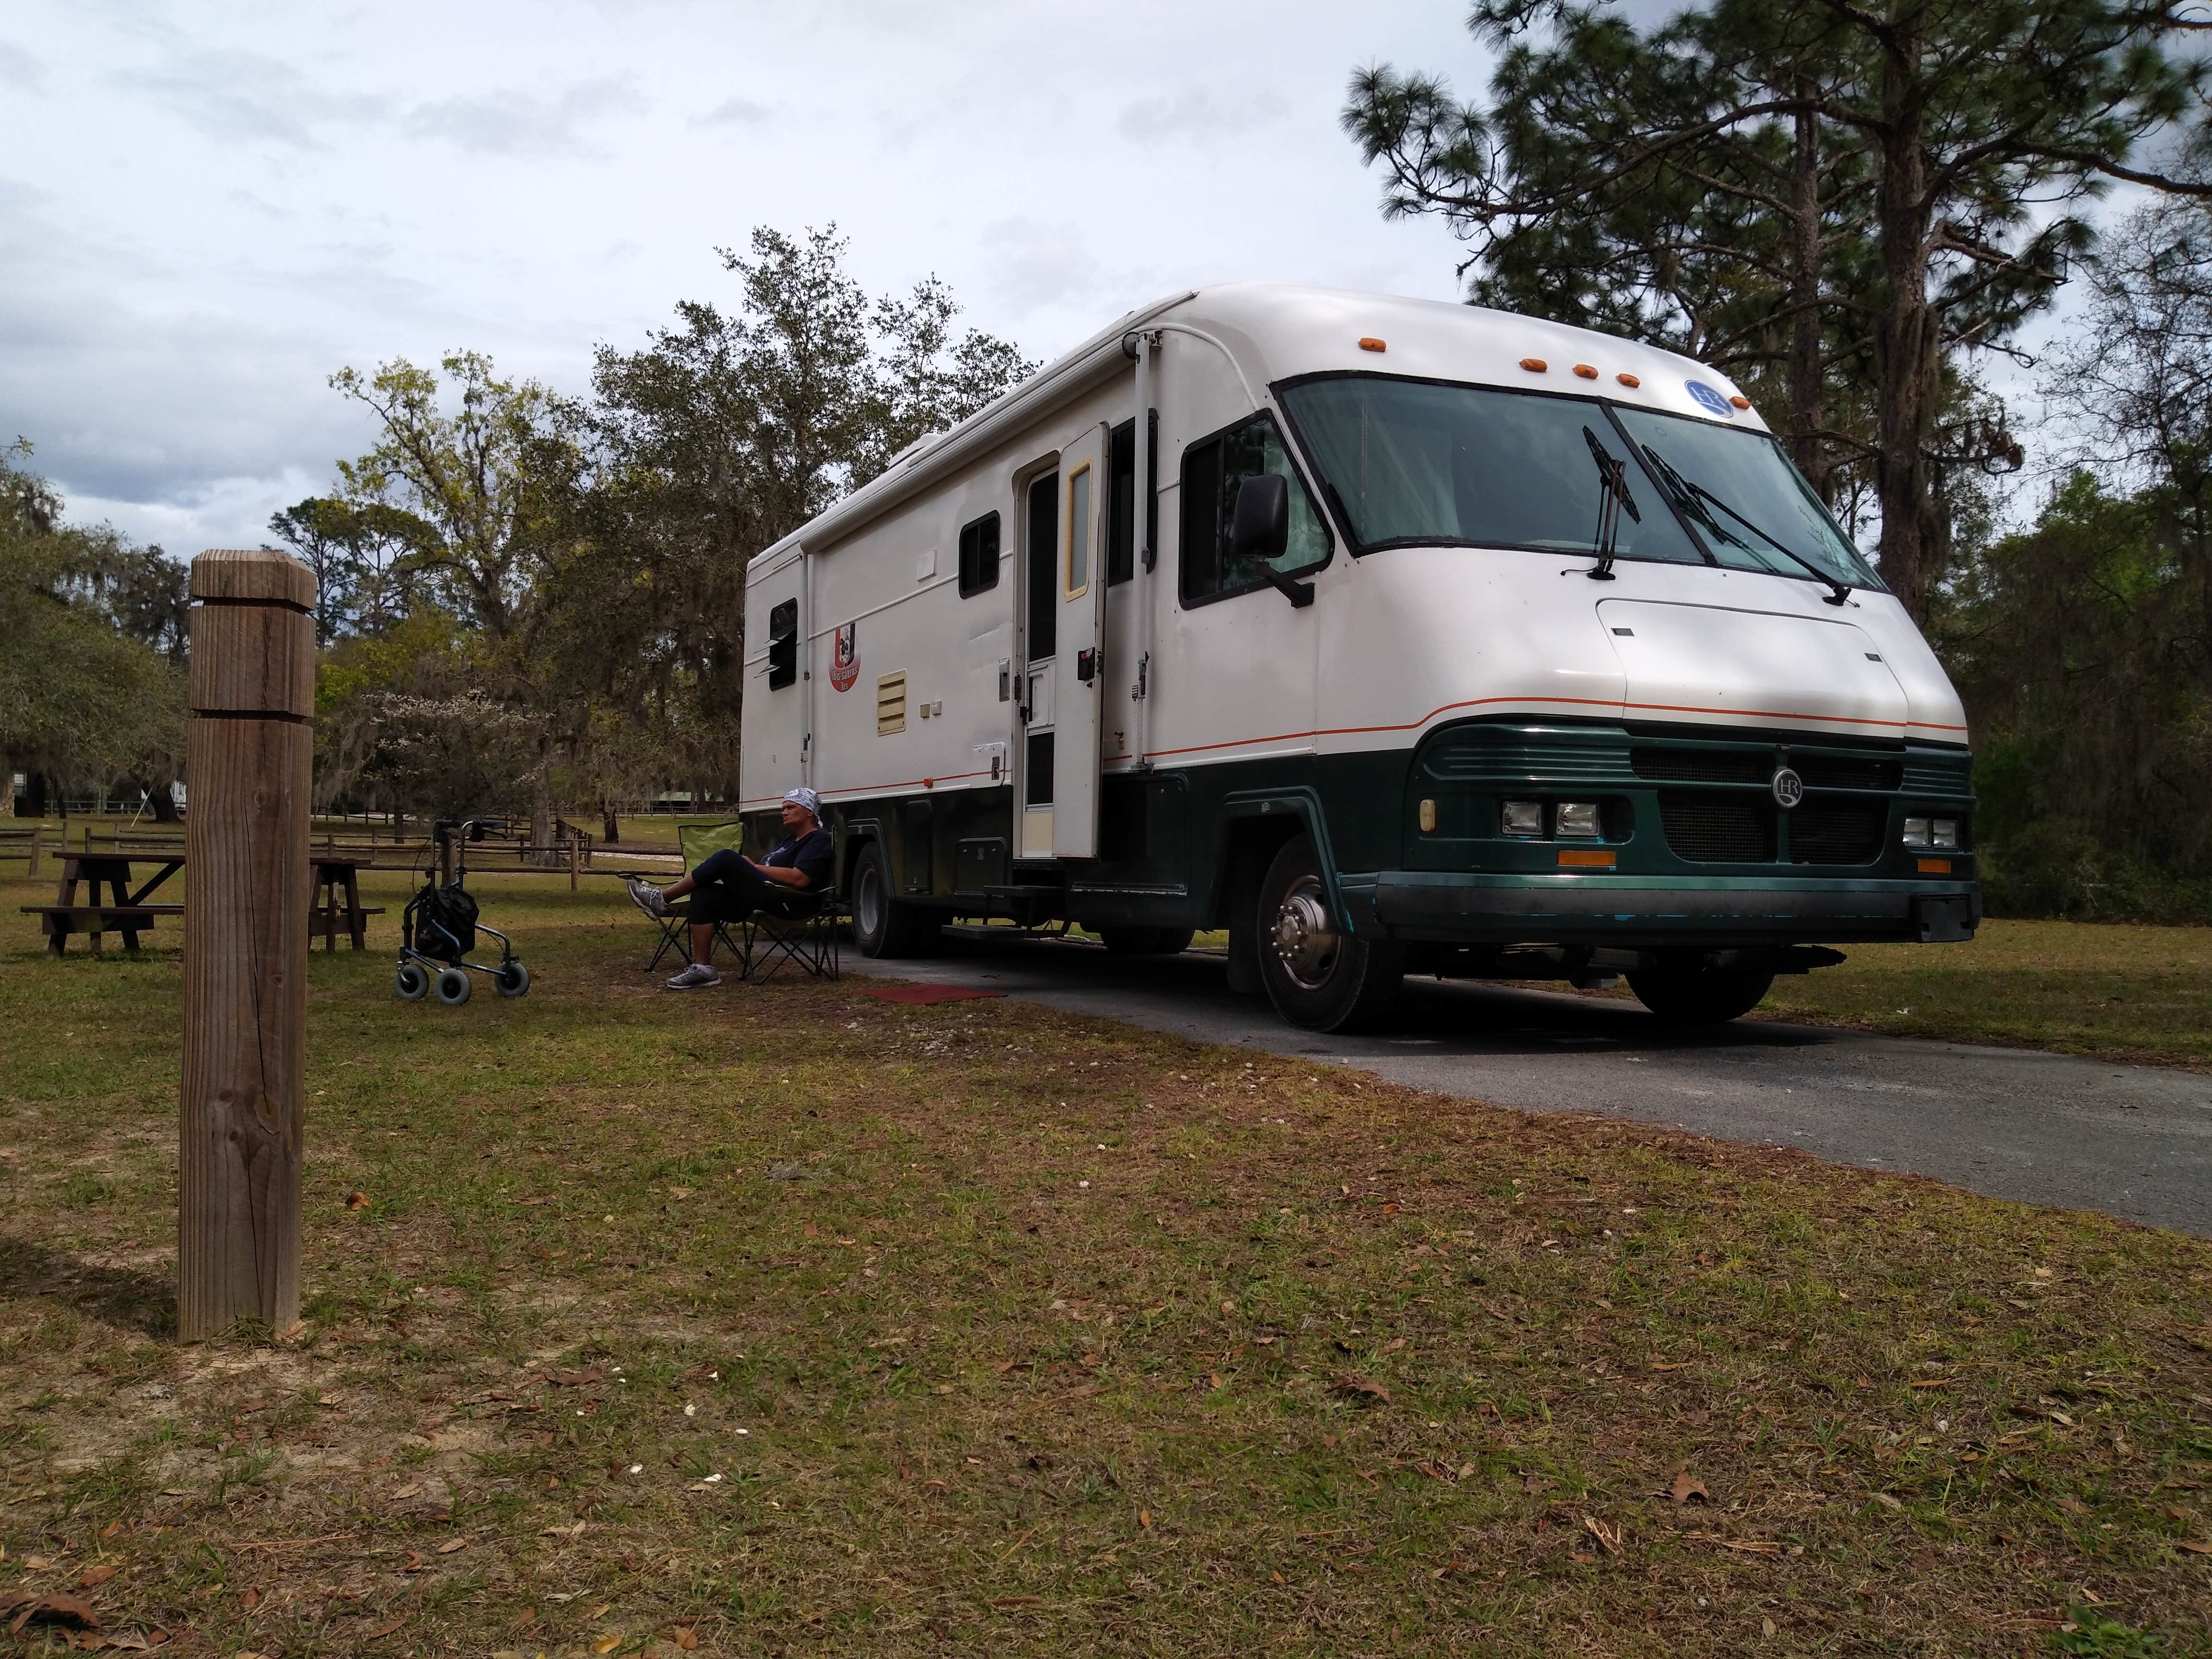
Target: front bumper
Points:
x,y
1461,908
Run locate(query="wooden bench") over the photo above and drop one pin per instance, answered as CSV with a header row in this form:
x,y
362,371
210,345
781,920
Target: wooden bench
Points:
x,y
59,921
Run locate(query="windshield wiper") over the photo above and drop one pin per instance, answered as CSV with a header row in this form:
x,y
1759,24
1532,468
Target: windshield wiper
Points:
x,y
1613,496
1694,499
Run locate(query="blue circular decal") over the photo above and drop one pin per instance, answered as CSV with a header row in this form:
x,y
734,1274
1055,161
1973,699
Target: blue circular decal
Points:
x,y
1710,400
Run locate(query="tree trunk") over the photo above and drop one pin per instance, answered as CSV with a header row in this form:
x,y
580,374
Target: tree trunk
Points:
x,y
1911,343
1806,418
610,825
541,813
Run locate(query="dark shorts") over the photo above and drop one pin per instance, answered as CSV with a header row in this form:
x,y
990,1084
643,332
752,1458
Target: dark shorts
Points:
x,y
727,890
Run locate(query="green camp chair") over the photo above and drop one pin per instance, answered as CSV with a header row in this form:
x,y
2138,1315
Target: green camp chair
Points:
x,y
697,842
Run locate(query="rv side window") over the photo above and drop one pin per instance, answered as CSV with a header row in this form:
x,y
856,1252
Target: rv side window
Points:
x,y
1122,505
979,556
1212,470
783,645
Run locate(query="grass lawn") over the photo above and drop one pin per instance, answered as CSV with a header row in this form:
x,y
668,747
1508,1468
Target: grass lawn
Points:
x,y
2116,992
780,1319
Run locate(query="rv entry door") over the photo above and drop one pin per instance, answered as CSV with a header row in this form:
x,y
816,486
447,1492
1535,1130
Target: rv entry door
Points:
x,y
1080,693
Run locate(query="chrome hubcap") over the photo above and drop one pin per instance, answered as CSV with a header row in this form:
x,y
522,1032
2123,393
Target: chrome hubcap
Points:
x,y
869,902
1304,943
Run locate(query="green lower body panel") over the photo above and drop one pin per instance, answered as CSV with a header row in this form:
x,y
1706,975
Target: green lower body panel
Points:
x,y
1453,907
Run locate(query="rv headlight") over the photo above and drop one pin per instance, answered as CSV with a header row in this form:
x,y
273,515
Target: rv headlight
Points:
x,y
1522,818
1915,832
1577,820
1943,832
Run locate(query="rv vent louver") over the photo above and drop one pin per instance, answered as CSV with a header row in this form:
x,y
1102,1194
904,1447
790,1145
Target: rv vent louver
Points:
x,y
891,704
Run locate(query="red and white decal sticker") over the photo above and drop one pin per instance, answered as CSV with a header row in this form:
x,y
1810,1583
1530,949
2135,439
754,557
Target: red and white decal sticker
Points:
x,y
845,657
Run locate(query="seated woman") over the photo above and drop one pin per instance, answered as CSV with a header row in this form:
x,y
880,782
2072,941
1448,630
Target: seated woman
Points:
x,y
728,886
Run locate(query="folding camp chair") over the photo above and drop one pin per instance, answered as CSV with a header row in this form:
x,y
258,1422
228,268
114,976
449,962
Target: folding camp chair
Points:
x,y
807,942
696,842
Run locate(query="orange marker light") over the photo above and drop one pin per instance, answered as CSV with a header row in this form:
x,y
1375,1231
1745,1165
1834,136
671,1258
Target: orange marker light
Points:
x,y
1535,365
1740,402
1583,858
1934,866
1586,371
1628,379
1369,342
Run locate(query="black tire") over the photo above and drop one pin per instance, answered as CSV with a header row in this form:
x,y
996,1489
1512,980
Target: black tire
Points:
x,y
1145,941
1690,996
513,978
881,925
1316,977
453,987
410,983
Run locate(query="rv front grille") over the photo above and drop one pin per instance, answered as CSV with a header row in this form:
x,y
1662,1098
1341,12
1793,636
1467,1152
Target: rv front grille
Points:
x,y
1847,772
1837,831
1492,754
1939,773
1717,829
1703,765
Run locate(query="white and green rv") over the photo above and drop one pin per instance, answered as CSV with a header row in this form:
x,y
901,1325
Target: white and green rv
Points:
x,y
1387,635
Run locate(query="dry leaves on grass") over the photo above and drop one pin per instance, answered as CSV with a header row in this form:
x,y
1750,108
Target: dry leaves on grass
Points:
x,y
1360,1389
54,1608
1688,1488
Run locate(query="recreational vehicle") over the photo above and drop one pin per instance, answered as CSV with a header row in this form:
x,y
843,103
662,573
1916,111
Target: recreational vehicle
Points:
x,y
1390,636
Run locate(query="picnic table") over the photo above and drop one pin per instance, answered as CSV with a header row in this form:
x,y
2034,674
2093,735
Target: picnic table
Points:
x,y
336,901
128,912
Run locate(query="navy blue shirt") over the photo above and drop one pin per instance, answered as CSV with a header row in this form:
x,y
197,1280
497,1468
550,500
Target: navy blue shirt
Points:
x,y
812,854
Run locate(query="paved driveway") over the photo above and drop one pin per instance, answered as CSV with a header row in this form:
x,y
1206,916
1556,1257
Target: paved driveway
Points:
x,y
2130,1140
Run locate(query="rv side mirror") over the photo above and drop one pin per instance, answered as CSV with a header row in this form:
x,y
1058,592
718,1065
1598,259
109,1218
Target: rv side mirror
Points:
x,y
1260,526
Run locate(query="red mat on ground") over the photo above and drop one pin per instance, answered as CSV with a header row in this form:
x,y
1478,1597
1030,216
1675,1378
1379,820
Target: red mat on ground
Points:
x,y
924,994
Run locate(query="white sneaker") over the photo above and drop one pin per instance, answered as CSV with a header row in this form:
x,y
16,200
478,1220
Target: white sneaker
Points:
x,y
696,977
648,898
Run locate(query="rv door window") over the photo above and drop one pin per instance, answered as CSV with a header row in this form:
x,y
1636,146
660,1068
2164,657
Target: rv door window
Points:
x,y
1212,470
1041,550
979,556
782,645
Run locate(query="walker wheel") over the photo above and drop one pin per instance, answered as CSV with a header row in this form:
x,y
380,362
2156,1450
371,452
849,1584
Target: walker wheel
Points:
x,y
410,983
453,987
513,978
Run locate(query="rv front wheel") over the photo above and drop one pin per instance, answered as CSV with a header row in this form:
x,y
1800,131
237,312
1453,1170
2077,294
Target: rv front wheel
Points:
x,y
882,926
1693,995
1317,976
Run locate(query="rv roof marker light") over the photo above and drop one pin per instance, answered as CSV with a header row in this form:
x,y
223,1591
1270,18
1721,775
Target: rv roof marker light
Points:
x,y
1628,379
1535,365
1740,401
1586,371
1369,342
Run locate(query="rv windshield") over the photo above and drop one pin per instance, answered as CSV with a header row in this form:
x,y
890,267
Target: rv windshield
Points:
x,y
1411,461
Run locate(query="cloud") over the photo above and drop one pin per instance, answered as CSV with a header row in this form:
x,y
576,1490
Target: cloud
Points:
x,y
1193,111
19,69
733,112
519,123
243,95
1036,265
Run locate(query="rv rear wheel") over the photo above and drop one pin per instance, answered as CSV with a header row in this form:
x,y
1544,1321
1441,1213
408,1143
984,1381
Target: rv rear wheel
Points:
x,y
1317,977
1687,994
882,926
1145,941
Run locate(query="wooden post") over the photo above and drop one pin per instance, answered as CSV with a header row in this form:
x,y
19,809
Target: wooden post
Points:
x,y
572,863
249,758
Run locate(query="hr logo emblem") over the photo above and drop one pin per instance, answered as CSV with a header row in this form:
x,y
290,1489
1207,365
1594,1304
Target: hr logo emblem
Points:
x,y
1789,788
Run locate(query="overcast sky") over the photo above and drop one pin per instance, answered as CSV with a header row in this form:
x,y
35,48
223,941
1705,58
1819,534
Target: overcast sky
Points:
x,y
205,210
